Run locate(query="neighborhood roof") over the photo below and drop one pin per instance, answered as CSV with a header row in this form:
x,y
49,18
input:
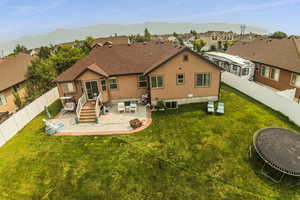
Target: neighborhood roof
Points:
x,y
281,53
13,70
102,40
123,59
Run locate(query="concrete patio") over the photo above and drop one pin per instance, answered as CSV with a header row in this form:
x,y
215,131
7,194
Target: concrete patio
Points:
x,y
112,122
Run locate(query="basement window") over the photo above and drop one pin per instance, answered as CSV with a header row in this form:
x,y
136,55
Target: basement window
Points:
x,y
171,105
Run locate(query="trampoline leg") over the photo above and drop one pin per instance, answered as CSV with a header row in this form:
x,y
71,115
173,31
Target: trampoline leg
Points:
x,y
268,176
250,151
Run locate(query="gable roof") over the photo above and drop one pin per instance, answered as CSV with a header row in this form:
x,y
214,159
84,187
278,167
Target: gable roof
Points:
x,y
282,53
114,40
122,59
14,69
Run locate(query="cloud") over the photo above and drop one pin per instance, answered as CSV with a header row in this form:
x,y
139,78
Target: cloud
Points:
x,y
33,9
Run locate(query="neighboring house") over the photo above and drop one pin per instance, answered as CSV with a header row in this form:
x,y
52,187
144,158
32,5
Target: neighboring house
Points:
x,y
13,72
114,40
164,71
277,61
172,39
233,64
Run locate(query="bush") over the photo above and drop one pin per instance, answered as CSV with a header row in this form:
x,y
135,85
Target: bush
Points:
x,y
18,101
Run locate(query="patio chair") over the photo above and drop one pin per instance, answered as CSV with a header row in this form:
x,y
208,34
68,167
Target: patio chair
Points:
x,y
210,107
133,107
121,107
220,109
69,107
52,128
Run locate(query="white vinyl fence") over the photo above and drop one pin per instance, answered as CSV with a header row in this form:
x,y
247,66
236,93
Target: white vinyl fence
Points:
x,y
264,95
18,120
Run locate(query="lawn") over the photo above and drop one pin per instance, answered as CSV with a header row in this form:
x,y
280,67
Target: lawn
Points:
x,y
184,154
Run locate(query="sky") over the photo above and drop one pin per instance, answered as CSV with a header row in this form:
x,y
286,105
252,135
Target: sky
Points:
x,y
29,17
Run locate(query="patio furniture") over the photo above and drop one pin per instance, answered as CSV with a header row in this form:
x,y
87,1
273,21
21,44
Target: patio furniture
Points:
x,y
69,107
52,128
127,108
279,149
121,107
210,107
133,107
220,109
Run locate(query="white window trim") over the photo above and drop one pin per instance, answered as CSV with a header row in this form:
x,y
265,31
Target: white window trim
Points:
x,y
68,84
3,97
291,82
157,81
205,86
117,83
178,83
141,81
267,75
276,78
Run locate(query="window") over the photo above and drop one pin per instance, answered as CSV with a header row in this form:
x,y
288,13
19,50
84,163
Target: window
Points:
x,y
180,79
2,100
171,104
295,81
202,80
245,71
68,87
113,84
234,67
185,57
142,81
103,84
265,70
275,74
157,82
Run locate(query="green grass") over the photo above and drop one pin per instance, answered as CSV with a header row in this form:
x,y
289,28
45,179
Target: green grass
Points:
x,y
184,154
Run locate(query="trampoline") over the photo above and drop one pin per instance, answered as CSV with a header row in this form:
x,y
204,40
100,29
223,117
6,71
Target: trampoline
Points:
x,y
280,149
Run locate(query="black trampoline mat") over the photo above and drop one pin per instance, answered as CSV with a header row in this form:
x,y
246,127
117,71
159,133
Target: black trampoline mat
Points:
x,y
280,148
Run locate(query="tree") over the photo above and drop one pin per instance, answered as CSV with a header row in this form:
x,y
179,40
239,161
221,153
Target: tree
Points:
x,y
147,35
225,45
65,57
175,34
198,45
44,52
18,101
41,74
20,49
213,47
194,33
219,45
278,35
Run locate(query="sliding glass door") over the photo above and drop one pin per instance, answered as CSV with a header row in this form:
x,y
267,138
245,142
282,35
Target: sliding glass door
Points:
x,y
91,89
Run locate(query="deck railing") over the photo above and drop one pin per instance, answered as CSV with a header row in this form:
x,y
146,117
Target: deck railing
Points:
x,y
82,100
98,102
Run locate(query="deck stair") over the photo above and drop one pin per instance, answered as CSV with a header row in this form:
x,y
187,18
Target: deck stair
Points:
x,y
88,113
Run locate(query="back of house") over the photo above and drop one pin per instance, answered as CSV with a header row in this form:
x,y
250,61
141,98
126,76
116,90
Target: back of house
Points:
x,y
126,72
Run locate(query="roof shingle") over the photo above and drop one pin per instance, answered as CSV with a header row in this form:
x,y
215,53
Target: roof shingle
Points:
x,y
122,59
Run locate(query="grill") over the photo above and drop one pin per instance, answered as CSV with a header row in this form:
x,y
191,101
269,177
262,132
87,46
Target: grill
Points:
x,y
279,148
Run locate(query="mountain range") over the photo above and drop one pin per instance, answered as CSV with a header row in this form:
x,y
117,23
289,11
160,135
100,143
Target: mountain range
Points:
x,y
103,30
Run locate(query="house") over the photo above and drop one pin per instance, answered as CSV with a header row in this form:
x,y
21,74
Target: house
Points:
x,y
241,67
13,72
277,61
126,72
100,40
